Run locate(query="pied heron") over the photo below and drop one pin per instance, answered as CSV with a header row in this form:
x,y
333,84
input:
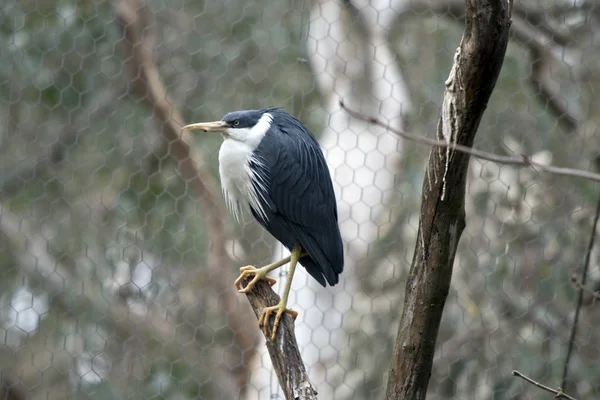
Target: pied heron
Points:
x,y
270,164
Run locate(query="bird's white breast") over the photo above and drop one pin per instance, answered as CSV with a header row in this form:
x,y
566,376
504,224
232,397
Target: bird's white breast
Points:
x,y
237,177
234,168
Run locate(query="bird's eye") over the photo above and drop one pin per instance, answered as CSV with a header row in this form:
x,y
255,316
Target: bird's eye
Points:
x,y
236,122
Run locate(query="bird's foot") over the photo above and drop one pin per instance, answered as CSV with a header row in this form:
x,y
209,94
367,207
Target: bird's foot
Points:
x,y
263,321
258,273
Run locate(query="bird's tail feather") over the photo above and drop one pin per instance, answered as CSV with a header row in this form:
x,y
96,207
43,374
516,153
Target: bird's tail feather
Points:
x,y
322,262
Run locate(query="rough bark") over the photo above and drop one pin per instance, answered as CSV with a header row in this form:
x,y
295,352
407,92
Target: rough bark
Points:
x,y
477,64
284,351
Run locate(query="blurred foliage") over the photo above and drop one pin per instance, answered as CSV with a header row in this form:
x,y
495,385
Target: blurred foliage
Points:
x,y
83,166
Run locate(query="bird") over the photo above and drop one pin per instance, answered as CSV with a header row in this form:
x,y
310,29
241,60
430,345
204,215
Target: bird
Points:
x,y
272,166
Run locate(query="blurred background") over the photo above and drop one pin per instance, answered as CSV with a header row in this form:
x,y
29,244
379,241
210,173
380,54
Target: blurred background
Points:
x,y
118,257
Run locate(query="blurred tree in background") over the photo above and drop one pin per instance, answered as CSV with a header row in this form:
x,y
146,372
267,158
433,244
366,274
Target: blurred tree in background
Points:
x,y
106,242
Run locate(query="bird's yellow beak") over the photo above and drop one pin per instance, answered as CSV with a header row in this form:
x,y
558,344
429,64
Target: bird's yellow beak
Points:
x,y
216,126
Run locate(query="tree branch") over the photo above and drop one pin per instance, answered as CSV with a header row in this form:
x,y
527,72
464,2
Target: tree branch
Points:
x,y
284,351
477,64
584,275
558,394
543,54
546,46
545,23
134,18
523,160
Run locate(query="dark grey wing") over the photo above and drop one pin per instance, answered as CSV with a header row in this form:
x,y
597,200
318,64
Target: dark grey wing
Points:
x,y
300,199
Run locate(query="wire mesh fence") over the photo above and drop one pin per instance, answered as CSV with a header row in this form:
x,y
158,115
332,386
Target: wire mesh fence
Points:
x,y
118,255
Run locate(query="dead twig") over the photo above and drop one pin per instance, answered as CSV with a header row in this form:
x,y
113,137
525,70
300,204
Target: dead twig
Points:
x,y
518,161
284,351
558,394
584,274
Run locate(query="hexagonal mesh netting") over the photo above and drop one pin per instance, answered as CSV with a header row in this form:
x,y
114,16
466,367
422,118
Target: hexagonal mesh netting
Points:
x,y
118,255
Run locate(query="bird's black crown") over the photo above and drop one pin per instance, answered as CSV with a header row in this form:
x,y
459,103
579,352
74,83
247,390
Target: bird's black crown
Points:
x,y
246,118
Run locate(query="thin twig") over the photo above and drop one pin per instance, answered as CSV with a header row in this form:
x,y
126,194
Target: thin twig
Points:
x,y
558,394
519,161
584,273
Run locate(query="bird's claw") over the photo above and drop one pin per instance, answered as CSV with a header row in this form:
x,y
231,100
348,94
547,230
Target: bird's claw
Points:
x,y
258,273
263,321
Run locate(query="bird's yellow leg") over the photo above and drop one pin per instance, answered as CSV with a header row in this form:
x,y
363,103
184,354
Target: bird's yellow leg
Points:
x,y
280,308
258,273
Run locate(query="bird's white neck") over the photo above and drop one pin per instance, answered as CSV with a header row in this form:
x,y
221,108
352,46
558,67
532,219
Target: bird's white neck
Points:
x,y
251,136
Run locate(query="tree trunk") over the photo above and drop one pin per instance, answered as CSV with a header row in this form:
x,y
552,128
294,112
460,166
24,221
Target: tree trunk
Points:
x,y
477,64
